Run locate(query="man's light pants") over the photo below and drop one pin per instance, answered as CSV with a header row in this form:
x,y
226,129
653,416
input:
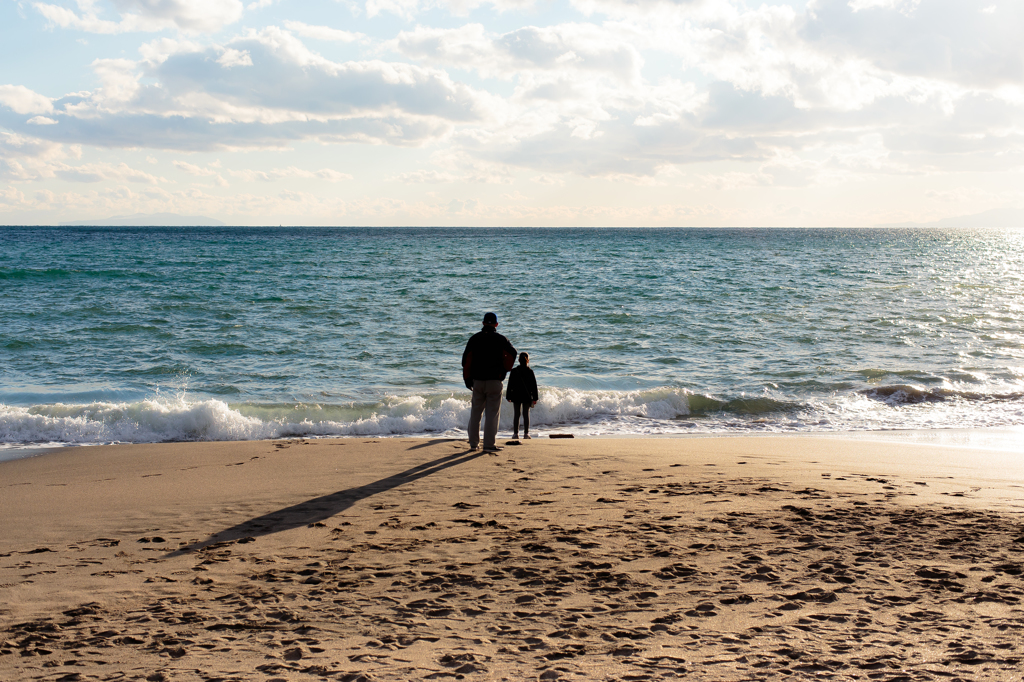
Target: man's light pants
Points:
x,y
487,402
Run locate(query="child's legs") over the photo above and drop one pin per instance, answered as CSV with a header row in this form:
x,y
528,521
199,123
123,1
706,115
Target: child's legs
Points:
x,y
526,417
515,417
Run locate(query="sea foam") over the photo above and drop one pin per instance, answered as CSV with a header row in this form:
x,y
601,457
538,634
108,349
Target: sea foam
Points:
x,y
587,412
184,419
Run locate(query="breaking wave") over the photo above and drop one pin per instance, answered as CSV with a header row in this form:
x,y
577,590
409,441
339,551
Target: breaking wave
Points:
x,y
588,412
903,394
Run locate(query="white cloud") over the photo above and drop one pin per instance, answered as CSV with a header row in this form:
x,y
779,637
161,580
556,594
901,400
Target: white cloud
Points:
x,y
263,89
119,80
290,83
755,95
190,15
575,77
192,169
97,172
324,33
331,175
565,48
948,41
24,101
230,58
193,16
403,8
480,174
26,159
654,10
328,174
198,171
410,8
11,197
427,177
902,6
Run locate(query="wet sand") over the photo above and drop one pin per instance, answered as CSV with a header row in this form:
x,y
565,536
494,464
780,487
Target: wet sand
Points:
x,y
584,559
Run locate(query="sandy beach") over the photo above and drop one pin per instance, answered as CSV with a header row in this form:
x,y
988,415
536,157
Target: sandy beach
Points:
x,y
583,559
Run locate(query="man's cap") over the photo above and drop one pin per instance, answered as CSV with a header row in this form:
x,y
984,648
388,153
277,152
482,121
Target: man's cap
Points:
x,y
490,318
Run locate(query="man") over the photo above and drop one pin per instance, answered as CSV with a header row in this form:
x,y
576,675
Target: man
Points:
x,y
483,369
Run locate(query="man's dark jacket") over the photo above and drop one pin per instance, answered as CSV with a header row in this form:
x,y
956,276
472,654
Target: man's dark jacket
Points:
x,y
485,356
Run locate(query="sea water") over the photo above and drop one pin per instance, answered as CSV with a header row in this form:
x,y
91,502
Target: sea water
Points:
x,y
168,334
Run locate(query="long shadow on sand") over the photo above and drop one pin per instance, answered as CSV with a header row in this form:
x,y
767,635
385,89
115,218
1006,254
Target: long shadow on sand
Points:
x,y
325,506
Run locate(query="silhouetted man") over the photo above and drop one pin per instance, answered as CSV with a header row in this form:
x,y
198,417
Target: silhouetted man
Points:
x,y
483,369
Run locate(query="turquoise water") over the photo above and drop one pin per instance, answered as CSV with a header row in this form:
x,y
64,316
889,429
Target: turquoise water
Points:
x,y
154,334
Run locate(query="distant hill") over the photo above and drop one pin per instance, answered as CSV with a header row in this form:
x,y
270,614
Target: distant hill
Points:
x,y
997,217
149,220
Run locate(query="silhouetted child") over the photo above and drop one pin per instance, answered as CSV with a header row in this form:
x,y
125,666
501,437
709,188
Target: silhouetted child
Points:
x,y
522,393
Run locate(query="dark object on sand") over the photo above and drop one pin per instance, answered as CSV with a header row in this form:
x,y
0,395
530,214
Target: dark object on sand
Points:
x,y
512,442
561,435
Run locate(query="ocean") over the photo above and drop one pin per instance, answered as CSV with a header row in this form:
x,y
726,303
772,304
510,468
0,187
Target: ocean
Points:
x,y
152,334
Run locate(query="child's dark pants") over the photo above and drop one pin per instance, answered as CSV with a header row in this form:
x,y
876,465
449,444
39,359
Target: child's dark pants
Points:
x,y
523,408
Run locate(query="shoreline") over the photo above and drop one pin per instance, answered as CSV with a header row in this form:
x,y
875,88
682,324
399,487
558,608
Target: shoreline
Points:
x,y
403,558
1003,438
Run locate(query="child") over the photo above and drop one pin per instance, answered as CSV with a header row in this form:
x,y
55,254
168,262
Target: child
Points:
x,y
522,393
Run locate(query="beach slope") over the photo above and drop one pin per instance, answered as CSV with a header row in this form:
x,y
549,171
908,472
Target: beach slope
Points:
x,y
585,559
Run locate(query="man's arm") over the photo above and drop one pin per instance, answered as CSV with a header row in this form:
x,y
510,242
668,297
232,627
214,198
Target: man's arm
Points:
x,y
467,365
471,345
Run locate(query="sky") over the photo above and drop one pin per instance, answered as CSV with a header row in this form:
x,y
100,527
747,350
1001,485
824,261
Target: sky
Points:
x,y
511,112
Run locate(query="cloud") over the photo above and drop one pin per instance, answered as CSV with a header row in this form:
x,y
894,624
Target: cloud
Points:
x,y
832,56
230,58
192,133
637,90
21,100
324,33
192,169
564,48
11,197
331,175
656,10
25,158
953,41
782,82
575,79
119,80
14,145
263,89
408,9
289,82
623,149
328,174
426,177
193,16
28,159
477,173
97,172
